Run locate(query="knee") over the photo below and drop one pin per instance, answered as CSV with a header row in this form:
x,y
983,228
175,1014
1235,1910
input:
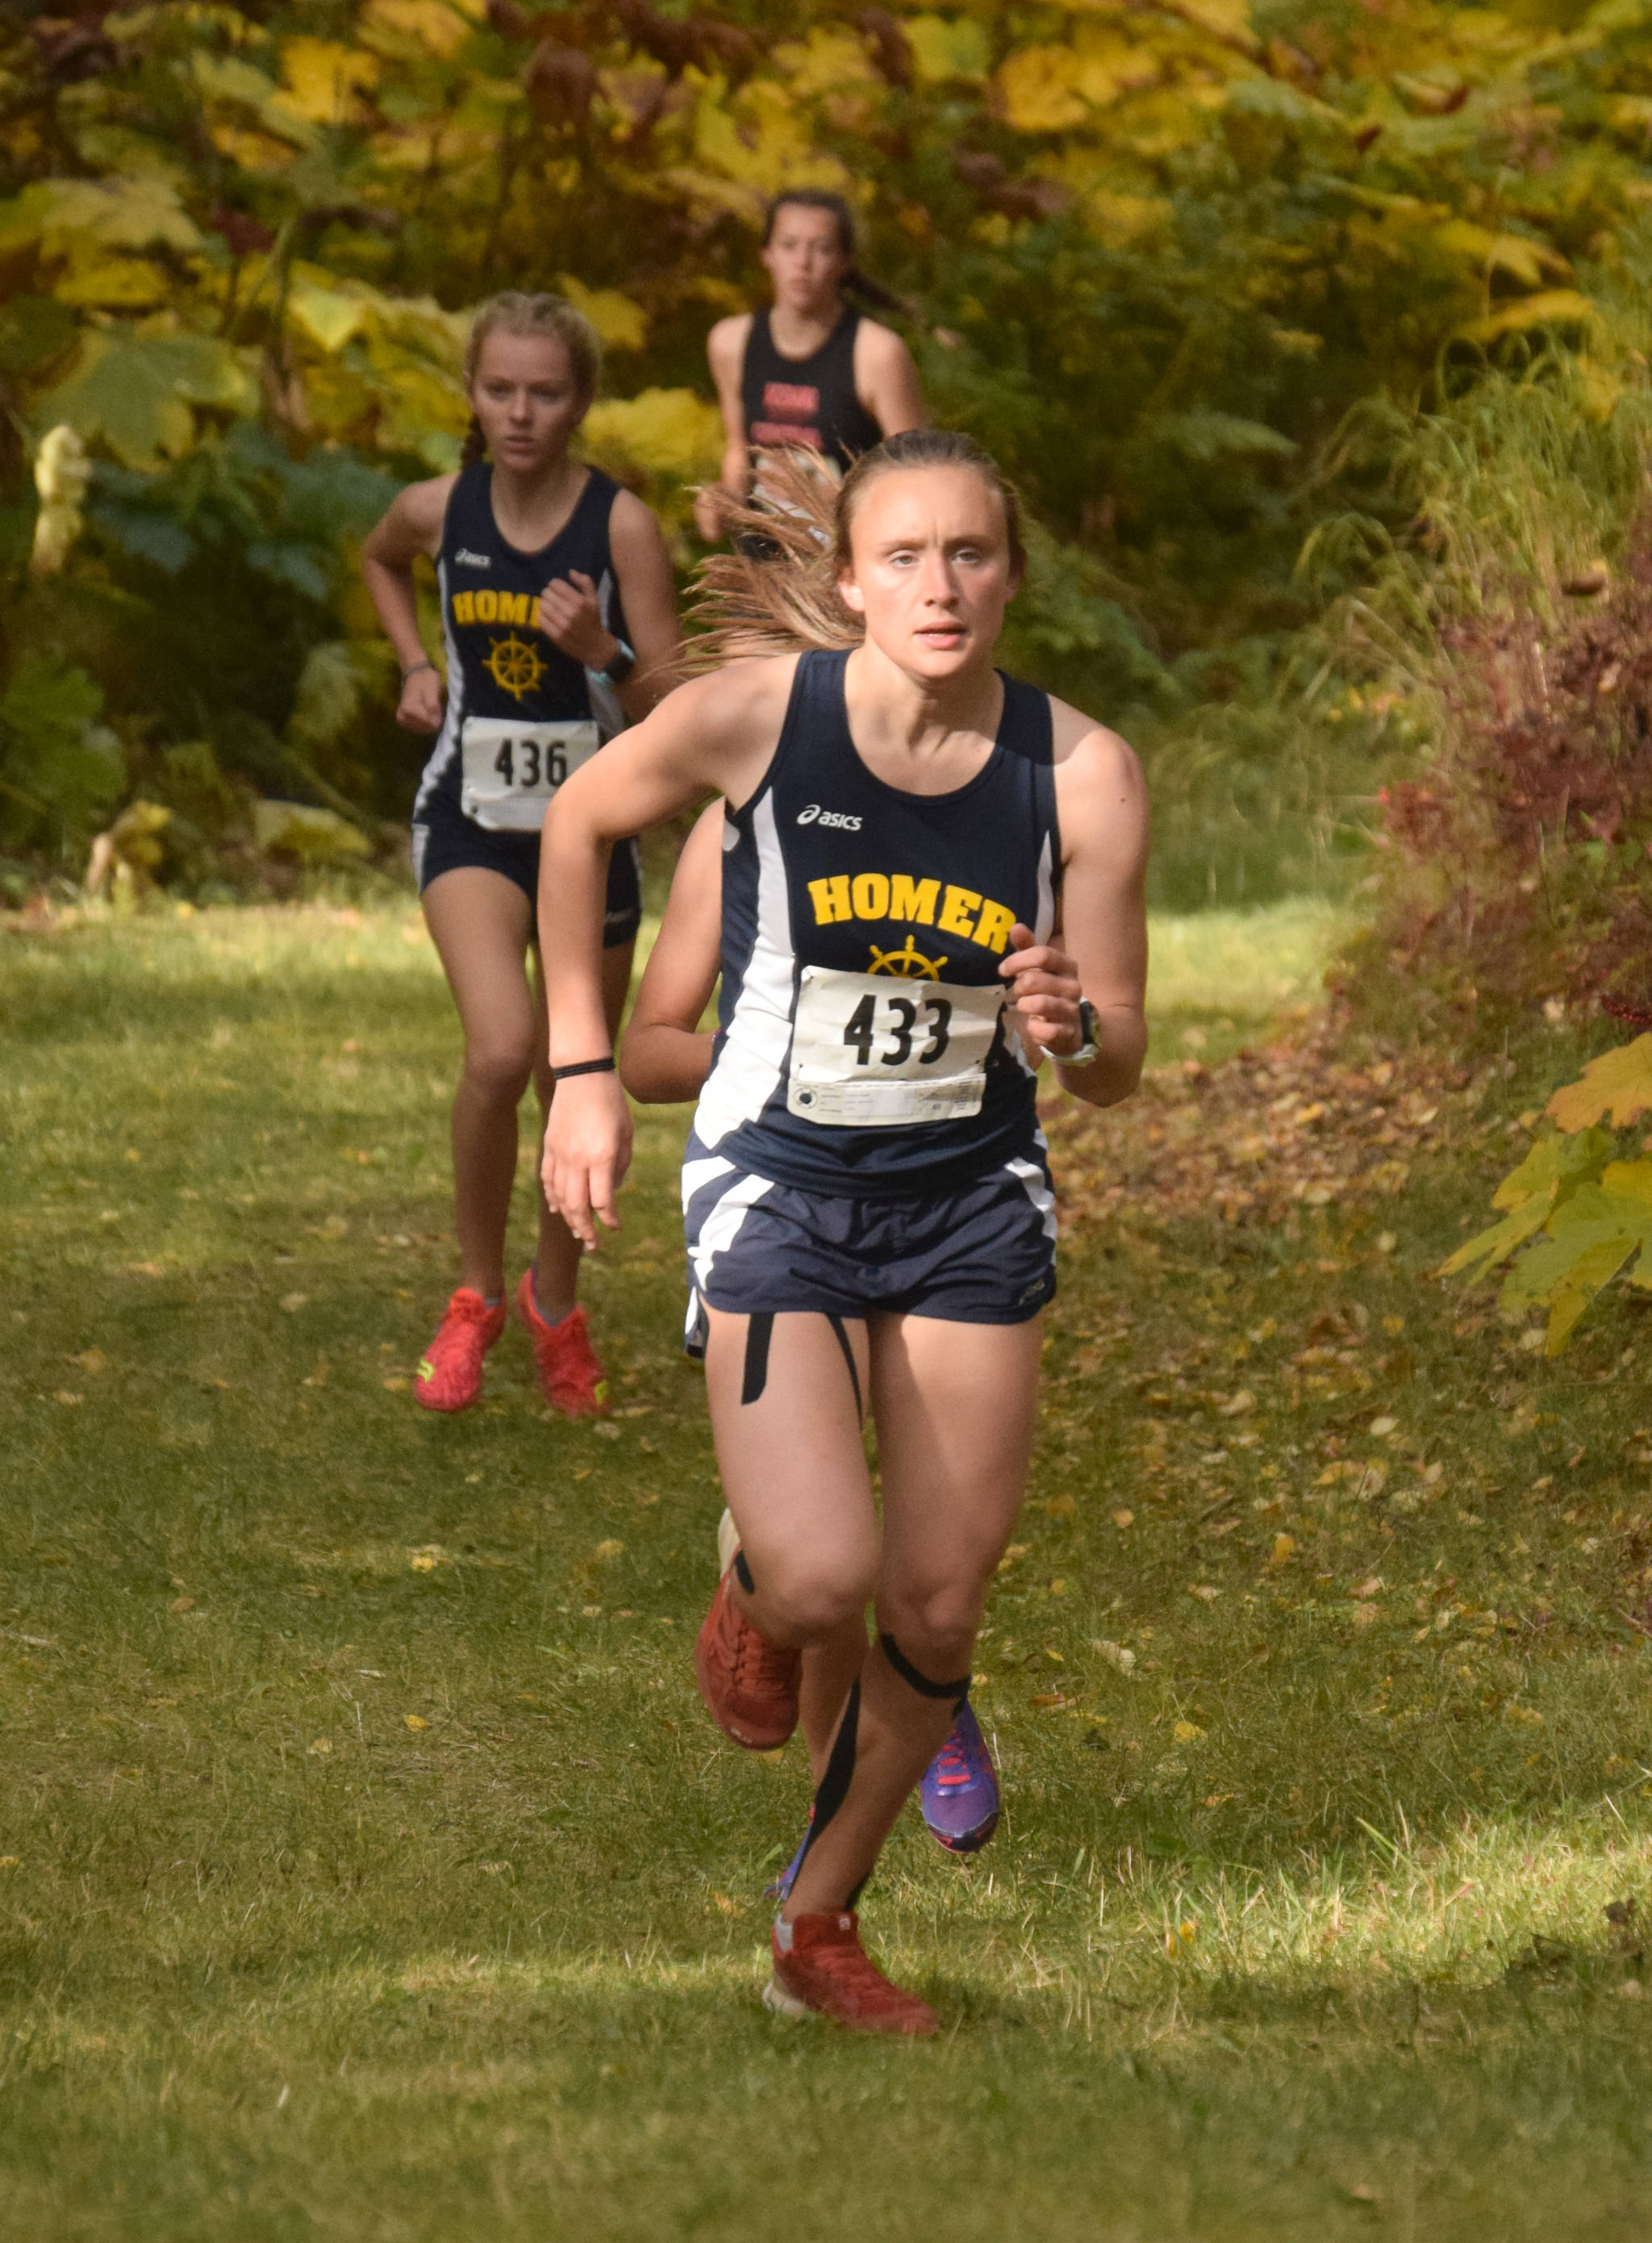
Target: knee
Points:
x,y
811,1595
499,1067
934,1623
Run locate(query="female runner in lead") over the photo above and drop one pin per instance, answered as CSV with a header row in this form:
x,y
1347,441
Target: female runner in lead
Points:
x,y
868,1208
664,1060
559,617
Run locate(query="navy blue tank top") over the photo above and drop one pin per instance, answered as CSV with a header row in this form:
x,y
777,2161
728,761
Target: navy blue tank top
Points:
x,y
863,1049
502,671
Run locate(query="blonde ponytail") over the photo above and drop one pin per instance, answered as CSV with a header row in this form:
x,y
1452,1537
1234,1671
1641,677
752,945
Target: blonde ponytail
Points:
x,y
777,590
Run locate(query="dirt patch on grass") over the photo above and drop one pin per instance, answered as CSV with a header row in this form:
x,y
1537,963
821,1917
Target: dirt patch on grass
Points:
x,y
1298,1123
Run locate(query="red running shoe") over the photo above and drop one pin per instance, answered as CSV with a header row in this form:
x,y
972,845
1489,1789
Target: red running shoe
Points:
x,y
572,1379
821,1970
749,1685
450,1371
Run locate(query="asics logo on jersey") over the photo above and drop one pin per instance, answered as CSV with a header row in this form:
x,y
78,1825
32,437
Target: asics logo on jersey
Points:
x,y
840,819
472,560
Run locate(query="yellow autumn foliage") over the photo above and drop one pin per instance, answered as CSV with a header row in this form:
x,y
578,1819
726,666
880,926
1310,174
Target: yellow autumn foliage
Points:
x,y
660,432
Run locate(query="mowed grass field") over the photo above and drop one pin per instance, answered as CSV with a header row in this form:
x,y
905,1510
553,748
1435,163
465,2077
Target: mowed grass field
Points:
x,y
369,1871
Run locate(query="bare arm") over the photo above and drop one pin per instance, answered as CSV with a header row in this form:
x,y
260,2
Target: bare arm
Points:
x,y
886,381
714,735
665,1056
726,356
571,617
411,525
1101,952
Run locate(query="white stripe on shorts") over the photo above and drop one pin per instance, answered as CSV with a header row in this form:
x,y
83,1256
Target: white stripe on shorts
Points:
x,y
1036,1183
696,1174
723,1226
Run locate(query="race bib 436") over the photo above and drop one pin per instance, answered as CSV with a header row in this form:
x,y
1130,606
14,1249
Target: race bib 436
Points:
x,y
512,769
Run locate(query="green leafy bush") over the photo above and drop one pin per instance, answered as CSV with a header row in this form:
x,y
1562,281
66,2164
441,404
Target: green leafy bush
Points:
x,y
1575,1212
1154,252
60,770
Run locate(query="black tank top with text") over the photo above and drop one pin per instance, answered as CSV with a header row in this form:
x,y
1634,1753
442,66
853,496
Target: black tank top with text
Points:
x,y
806,400
500,665
862,1050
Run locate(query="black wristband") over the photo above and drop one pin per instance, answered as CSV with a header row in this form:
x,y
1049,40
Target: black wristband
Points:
x,y
584,1066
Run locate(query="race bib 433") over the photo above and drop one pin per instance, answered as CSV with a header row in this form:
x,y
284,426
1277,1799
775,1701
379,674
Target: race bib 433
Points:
x,y
869,1051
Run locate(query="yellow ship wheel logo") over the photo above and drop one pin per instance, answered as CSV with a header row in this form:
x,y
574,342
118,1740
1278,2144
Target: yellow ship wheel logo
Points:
x,y
515,666
908,964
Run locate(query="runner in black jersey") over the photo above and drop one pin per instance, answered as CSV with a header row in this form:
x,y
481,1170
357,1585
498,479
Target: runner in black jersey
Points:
x,y
560,626
664,1059
811,372
918,841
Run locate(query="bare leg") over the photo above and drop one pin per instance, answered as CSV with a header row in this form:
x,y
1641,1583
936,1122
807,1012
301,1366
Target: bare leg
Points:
x,y
556,1264
829,1670
480,923
794,1473
953,1405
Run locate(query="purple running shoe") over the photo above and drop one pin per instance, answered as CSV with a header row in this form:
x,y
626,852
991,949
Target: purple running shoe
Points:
x,y
781,1888
960,1788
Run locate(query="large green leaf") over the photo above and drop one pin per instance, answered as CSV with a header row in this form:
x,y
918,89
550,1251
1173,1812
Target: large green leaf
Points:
x,y
135,391
140,213
1546,1180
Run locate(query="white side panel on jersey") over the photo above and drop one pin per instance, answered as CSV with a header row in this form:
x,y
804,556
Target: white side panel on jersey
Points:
x,y
749,1067
446,746
606,704
1046,920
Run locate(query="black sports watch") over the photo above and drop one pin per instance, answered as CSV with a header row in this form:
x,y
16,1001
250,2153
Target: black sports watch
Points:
x,y
619,666
1090,1028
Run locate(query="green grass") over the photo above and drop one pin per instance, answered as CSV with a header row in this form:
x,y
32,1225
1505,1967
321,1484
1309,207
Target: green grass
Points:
x,y
1252,1956
1217,980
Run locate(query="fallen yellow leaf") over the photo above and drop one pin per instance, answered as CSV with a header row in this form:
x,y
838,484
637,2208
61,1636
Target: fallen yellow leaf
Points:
x,y
1188,1733
415,1721
1123,1519
322,1745
1284,1545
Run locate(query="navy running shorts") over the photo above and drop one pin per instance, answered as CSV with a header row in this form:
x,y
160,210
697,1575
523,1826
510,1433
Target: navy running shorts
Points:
x,y
444,840
981,1253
